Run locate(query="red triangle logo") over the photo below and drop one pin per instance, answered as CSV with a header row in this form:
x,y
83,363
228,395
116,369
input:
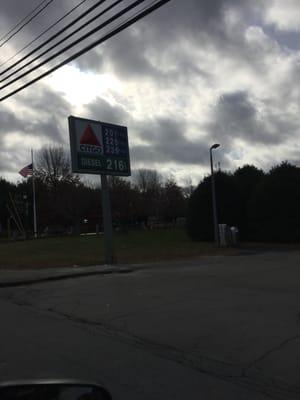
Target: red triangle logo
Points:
x,y
89,137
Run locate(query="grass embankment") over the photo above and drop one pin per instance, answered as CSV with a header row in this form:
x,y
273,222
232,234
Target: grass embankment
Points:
x,y
133,247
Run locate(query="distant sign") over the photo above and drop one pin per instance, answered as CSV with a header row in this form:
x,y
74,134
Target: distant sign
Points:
x,y
98,147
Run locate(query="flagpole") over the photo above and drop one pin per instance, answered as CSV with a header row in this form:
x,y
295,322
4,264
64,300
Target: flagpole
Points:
x,y
34,202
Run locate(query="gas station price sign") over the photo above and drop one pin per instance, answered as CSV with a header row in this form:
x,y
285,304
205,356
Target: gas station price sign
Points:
x,y
98,147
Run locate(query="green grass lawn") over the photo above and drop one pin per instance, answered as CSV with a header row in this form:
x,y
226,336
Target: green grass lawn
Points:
x,y
132,247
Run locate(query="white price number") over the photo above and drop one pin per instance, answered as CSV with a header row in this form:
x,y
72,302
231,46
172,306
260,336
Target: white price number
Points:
x,y
116,165
109,132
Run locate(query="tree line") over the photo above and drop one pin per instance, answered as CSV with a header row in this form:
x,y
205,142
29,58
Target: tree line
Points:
x,y
67,204
263,206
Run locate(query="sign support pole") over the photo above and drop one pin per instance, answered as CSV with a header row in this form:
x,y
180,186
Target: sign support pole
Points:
x,y
100,148
107,221
34,200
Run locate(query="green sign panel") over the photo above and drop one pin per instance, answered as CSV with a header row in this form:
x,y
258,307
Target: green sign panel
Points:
x,y
98,147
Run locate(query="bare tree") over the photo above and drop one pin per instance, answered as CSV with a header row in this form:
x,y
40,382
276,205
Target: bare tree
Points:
x,y
188,188
148,185
147,180
53,166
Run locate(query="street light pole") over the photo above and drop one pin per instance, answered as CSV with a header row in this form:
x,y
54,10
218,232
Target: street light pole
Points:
x,y
214,199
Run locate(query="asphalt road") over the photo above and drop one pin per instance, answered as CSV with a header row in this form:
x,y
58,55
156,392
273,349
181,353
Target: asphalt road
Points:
x,y
219,328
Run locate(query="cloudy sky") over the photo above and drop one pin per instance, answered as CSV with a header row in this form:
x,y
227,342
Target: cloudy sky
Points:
x,y
193,73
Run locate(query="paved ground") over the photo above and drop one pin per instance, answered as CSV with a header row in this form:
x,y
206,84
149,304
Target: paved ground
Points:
x,y
218,328
14,278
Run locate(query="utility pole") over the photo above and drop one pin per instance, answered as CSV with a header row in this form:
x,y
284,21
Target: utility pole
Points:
x,y
214,199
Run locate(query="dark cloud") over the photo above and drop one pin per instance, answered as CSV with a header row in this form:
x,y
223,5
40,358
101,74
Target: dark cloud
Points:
x,y
15,10
288,39
127,56
236,116
8,122
51,113
43,114
46,111
198,22
166,142
130,54
101,110
46,100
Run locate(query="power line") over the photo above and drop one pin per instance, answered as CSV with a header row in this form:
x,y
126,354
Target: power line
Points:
x,y
45,31
68,47
63,40
88,11
26,23
22,20
114,32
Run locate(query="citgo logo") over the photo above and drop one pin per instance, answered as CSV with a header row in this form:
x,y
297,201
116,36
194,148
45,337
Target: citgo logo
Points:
x,y
89,142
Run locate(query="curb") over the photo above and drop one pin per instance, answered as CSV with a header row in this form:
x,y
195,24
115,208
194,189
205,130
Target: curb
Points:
x,y
114,270
33,281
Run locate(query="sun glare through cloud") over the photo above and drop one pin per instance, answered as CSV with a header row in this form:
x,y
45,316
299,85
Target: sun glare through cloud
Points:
x,y
82,87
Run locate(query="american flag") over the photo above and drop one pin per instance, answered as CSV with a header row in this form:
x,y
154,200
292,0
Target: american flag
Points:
x,y
28,170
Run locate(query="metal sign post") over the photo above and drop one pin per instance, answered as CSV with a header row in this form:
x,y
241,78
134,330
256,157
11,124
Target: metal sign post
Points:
x,y
100,148
107,221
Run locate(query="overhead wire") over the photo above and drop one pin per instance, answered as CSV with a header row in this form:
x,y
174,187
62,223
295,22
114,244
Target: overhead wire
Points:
x,y
84,25
77,41
81,16
26,23
22,20
43,32
97,42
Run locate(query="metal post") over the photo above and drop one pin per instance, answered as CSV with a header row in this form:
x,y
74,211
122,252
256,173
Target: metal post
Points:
x,y
214,200
8,228
34,202
107,221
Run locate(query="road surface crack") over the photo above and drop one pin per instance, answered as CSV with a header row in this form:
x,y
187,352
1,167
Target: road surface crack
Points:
x,y
272,350
233,373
